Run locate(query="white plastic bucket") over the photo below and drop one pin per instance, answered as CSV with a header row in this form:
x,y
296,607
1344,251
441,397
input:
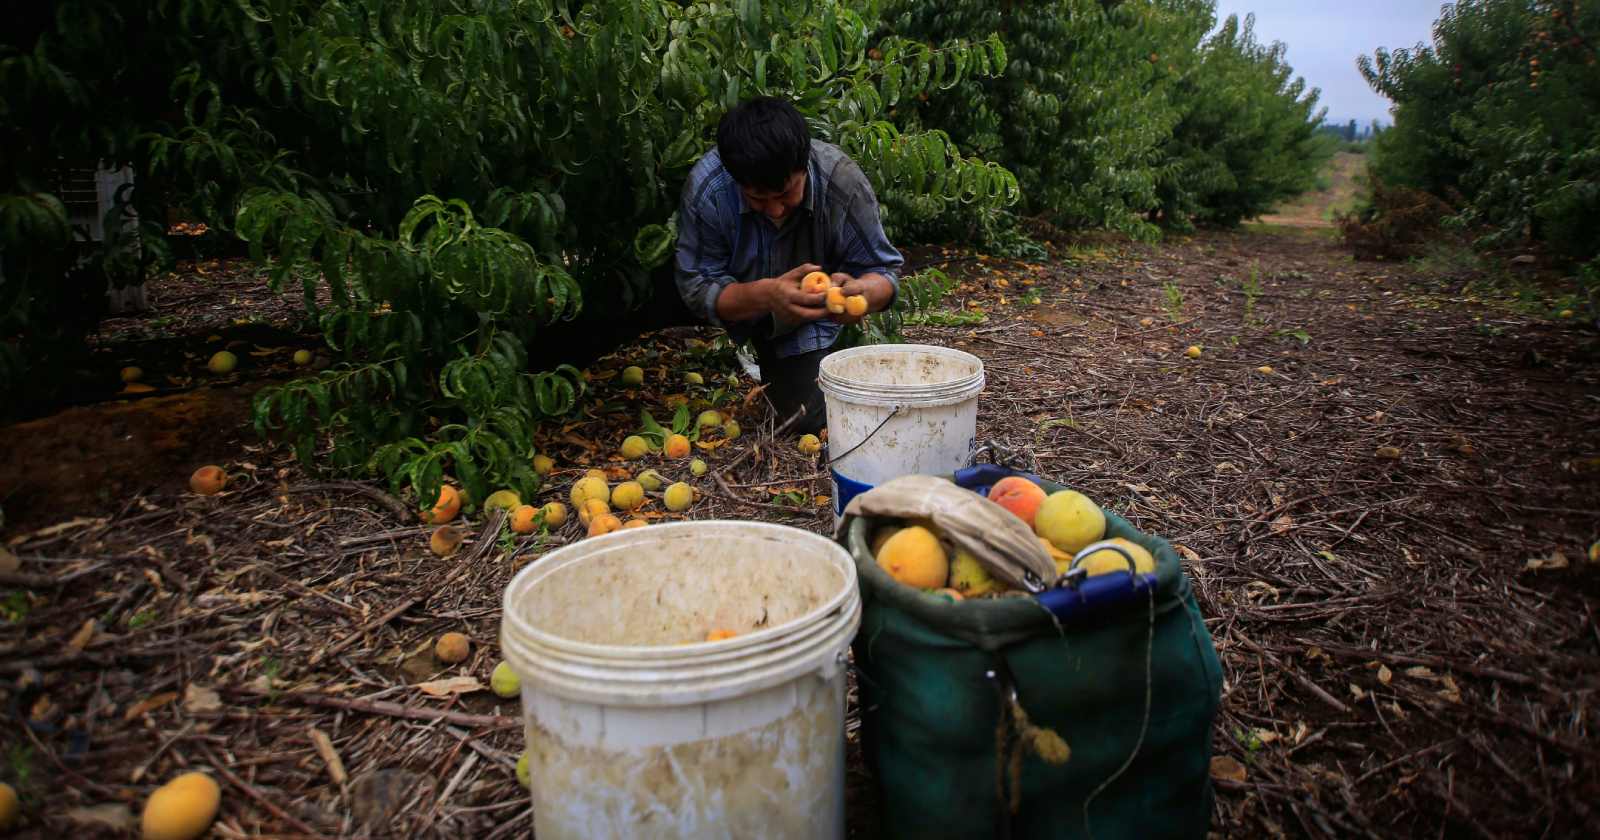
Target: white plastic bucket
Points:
x,y
898,409
637,727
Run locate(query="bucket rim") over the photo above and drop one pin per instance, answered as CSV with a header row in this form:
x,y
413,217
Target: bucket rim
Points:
x,y
922,394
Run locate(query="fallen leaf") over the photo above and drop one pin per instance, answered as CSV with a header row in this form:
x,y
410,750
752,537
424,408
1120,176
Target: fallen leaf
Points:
x,y
1357,692
1421,672
1556,560
113,816
1451,691
199,699
1187,553
451,685
1384,674
1138,488
1282,524
80,639
330,756
1266,736
1226,768
9,563
1225,467
1392,453
149,704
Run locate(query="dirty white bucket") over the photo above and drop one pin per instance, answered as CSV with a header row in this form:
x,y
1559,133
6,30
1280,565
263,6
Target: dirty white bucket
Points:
x,y
637,727
898,409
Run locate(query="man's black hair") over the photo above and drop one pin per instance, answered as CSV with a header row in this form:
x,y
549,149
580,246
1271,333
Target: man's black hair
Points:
x,y
762,142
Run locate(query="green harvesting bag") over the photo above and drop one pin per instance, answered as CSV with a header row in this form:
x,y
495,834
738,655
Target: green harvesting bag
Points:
x,y
955,696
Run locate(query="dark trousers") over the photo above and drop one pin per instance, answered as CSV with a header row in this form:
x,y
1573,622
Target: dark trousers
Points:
x,y
792,384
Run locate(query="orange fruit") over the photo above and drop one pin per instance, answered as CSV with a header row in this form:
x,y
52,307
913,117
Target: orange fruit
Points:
x,y
604,523
836,300
1018,495
816,282
445,540
452,648
914,557
677,447
525,519
855,305
445,509
208,480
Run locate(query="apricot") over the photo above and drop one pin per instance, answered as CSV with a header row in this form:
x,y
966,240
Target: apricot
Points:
x,y
731,430
914,557
208,480
855,305
1100,561
132,374
634,523
590,487
815,283
969,577
1193,351
452,648
649,480
677,447
629,495
809,444
604,523
633,376
600,474
697,467
504,682
222,362
1062,559
181,809
302,357
445,509
634,447
1018,495
555,514
709,418
590,509
503,499
10,808
525,519
524,776
835,300
692,378
1069,520
678,497
445,540
543,464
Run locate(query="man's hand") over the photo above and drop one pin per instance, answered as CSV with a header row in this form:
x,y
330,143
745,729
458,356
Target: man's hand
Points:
x,y
788,304
876,288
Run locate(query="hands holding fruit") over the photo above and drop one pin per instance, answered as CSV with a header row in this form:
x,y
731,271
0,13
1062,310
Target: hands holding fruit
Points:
x,y
806,293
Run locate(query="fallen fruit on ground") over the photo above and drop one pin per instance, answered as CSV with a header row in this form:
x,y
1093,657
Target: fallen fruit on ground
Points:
x,y
1566,313
503,500
137,388
816,282
914,557
555,514
810,444
590,487
302,357
633,375
969,577
709,418
1193,351
634,447
650,480
604,523
10,808
1018,495
835,300
1106,560
1146,321
629,495
181,809
678,497
524,778
445,540
720,634
855,305
504,681
445,508
1070,521
543,464
222,362
452,648
132,374
731,430
1264,370
697,467
525,519
677,446
692,378
208,480
596,473
589,509
1390,452
634,523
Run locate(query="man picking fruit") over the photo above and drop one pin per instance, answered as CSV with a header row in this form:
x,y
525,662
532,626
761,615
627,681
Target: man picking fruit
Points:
x,y
762,211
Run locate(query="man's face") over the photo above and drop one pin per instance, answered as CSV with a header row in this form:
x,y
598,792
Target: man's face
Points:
x,y
777,205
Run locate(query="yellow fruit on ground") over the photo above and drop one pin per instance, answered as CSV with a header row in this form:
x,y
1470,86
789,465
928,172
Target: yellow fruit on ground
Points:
x,y
709,418
650,480
1193,351
835,300
969,577
633,376
634,523
629,495
809,444
222,362
677,446
502,500
697,467
1264,370
590,487
10,807
543,464
136,388
634,447
181,809
596,473
1070,520
504,682
452,648
445,508
1106,560
1594,553
855,305
692,378
679,497
881,536
914,557
302,357
208,480
731,430
524,778
445,540
1146,321
525,519
720,634
555,514
132,374
1566,313
589,509
604,523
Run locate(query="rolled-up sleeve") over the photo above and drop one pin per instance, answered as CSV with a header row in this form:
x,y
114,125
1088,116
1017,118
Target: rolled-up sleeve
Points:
x,y
863,247
702,260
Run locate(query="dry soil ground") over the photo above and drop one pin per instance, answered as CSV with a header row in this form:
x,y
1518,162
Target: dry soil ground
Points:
x,y
1387,533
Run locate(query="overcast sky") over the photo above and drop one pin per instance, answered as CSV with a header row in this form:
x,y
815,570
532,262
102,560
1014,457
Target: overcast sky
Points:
x,y
1324,37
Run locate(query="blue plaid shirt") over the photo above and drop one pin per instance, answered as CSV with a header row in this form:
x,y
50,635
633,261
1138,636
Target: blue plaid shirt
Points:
x,y
721,240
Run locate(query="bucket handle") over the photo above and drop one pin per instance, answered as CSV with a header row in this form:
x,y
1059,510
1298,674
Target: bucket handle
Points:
x,y
863,442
